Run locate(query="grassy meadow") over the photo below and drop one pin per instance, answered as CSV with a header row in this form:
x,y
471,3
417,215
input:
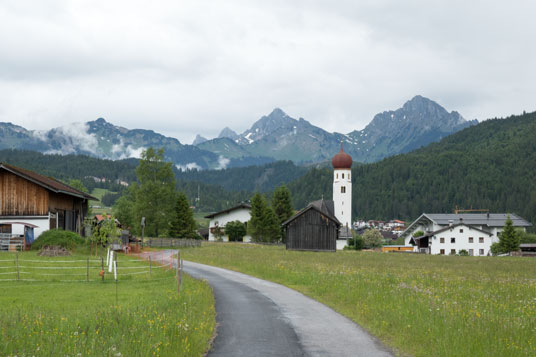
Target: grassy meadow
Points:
x,y
418,304
60,314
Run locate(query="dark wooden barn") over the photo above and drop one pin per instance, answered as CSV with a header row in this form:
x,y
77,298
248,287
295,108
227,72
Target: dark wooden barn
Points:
x,y
40,202
313,228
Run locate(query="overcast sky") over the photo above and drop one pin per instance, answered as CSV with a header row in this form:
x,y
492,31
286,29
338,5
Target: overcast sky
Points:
x,y
187,67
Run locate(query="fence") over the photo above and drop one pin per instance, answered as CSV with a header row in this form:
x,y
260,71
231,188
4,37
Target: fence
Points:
x,y
79,270
171,242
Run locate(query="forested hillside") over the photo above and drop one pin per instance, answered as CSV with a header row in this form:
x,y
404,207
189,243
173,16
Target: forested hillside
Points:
x,y
252,178
86,168
491,166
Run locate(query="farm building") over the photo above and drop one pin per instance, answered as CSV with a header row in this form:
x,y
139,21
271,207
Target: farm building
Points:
x,y
313,228
240,212
448,233
31,203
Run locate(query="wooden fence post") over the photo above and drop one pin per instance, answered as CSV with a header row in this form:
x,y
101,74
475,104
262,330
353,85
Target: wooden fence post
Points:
x,y
178,272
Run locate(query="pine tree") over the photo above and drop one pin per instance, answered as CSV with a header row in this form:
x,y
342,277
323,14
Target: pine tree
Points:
x,y
271,227
509,238
256,222
183,224
282,205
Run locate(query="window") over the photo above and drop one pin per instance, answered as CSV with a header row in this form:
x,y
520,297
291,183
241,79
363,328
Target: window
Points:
x,y
470,239
452,251
461,230
481,240
348,176
442,251
441,240
342,203
470,252
343,189
343,176
337,176
481,252
453,240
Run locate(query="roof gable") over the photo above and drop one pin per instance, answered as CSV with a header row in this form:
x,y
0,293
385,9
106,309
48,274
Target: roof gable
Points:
x,y
322,206
240,206
49,183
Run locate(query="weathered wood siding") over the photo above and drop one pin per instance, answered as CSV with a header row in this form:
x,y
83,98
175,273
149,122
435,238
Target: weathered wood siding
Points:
x,y
312,231
20,197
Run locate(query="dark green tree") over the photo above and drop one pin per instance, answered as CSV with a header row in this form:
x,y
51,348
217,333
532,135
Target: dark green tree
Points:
x,y
256,222
236,231
509,238
124,210
282,205
271,229
183,224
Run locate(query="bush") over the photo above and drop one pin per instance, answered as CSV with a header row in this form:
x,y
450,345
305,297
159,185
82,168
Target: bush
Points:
x,y
359,243
463,253
58,237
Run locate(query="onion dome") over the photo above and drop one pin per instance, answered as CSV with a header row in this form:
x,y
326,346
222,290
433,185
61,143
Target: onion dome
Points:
x,y
342,160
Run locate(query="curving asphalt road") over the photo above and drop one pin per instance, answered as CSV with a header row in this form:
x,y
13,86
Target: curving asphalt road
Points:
x,y
259,318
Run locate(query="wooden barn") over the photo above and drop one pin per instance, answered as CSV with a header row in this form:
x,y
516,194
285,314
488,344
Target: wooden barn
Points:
x,y
313,228
31,203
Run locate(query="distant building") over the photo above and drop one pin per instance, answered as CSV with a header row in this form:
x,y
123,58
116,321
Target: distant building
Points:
x,y
448,233
313,228
241,212
31,203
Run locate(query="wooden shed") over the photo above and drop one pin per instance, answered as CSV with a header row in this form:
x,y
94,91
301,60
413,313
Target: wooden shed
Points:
x,y
38,202
313,228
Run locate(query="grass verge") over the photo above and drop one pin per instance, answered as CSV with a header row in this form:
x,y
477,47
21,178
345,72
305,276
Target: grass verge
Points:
x,y
418,304
54,317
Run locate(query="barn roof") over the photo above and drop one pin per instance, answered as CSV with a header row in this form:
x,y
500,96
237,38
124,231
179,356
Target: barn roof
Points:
x,y
239,206
327,208
47,182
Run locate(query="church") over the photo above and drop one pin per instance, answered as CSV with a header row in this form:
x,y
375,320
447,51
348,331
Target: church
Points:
x,y
324,225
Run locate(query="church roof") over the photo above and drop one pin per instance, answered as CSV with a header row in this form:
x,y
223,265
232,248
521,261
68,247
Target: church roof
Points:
x,y
342,160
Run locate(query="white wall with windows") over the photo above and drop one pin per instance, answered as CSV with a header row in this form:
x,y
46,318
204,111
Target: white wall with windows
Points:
x,y
462,237
240,214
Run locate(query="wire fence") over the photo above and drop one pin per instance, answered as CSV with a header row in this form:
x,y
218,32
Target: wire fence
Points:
x,y
91,269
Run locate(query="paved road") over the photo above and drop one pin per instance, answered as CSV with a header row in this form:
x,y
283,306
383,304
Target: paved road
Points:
x,y
260,318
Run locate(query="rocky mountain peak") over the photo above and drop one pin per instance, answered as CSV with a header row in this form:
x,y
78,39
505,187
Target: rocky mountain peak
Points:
x,y
199,140
228,133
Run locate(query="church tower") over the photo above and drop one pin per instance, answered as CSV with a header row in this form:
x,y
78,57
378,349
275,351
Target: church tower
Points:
x,y
342,187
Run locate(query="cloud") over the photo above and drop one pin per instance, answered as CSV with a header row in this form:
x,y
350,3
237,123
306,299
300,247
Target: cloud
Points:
x,y
222,162
189,166
72,138
189,67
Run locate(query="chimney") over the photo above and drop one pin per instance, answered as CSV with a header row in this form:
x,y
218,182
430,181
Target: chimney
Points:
x,y
461,219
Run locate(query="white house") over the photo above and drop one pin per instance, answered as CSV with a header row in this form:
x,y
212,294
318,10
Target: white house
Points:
x,y
241,212
448,233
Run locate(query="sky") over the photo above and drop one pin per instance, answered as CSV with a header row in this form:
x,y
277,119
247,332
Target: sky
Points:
x,y
183,68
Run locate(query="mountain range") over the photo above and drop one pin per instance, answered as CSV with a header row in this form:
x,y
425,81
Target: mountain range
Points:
x,y
276,136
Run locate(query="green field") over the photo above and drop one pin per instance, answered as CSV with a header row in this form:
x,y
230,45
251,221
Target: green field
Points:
x,y
60,314
418,304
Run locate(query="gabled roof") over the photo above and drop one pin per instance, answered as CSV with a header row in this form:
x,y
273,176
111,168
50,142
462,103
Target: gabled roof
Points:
x,y
241,205
431,234
472,219
327,208
49,183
